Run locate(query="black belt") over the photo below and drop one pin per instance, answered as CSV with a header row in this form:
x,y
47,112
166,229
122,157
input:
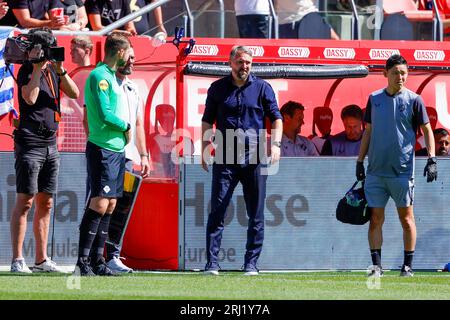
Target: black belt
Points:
x,y
37,128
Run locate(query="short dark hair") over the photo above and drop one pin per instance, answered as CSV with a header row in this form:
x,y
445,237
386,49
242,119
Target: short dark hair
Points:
x,y
290,107
441,131
353,111
394,60
114,42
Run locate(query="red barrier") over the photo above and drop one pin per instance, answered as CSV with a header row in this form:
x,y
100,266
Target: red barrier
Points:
x,y
151,239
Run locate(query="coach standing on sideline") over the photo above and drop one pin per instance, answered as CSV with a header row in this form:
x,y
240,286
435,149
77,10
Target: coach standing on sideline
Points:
x,y
36,153
392,116
108,135
238,104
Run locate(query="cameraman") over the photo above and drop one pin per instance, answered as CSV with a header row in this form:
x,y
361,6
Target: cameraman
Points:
x,y
36,153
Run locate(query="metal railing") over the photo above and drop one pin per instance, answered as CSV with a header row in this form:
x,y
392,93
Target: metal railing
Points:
x,y
203,8
117,24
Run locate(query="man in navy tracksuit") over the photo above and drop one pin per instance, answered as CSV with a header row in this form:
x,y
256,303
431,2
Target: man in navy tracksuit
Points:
x,y
238,104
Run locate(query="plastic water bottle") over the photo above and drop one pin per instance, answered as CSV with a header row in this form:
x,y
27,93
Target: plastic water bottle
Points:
x,y
159,39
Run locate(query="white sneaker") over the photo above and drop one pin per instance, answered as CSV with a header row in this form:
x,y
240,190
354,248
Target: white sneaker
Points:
x,y
116,265
251,273
47,266
211,272
19,266
375,271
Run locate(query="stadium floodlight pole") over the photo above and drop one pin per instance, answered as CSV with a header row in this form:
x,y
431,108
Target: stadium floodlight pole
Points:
x,y
117,24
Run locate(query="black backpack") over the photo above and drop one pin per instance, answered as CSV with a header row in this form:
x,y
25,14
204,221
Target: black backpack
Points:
x,y
352,208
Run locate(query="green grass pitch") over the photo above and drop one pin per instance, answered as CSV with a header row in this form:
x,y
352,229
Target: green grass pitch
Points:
x,y
229,286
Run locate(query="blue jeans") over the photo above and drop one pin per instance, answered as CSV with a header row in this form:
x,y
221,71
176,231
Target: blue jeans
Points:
x,y
224,181
253,26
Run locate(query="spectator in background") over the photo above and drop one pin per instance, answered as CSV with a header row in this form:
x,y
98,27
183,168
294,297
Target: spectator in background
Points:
x,y
76,15
81,50
252,18
3,9
291,12
292,143
142,24
347,142
441,143
102,13
33,14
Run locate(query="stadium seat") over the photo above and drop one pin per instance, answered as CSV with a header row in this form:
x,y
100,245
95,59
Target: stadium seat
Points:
x,y
314,26
396,27
323,119
433,116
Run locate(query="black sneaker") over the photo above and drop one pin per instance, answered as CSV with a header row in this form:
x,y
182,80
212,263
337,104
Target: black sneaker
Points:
x,y
83,267
101,269
406,271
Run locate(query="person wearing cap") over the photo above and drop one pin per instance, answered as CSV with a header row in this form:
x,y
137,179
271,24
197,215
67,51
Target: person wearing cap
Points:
x,y
292,143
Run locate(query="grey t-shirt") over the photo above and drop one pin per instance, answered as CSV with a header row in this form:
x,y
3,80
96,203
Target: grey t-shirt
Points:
x,y
395,120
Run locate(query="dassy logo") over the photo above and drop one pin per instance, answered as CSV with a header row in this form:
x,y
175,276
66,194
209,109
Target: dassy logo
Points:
x,y
293,52
429,55
339,53
382,54
205,50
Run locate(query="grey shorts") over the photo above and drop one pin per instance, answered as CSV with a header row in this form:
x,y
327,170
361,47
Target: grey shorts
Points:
x,y
36,168
379,189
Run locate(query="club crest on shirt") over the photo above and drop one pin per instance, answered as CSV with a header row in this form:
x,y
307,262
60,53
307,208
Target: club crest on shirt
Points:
x,y
103,85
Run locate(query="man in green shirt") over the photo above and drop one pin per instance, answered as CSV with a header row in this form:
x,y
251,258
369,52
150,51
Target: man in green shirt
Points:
x,y
108,135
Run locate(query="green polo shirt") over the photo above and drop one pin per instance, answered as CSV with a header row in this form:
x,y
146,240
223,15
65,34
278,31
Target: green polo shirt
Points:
x,y
104,114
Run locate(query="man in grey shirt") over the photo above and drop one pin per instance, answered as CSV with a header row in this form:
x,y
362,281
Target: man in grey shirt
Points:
x,y
347,142
292,143
392,116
